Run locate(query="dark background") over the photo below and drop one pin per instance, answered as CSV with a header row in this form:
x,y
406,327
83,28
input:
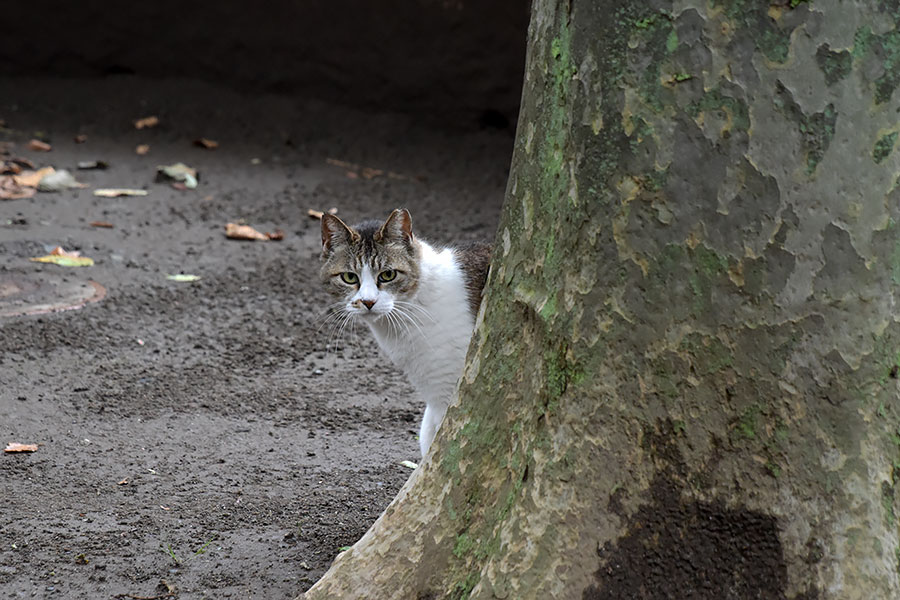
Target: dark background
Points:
x,y
450,59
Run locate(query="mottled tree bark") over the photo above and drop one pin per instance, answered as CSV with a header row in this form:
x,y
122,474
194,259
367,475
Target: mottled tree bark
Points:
x,y
683,383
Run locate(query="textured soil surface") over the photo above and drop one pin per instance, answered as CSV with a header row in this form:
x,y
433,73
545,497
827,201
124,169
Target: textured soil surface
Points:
x,y
207,439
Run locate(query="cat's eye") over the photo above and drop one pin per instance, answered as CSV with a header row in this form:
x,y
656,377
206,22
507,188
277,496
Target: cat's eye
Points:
x,y
350,278
387,275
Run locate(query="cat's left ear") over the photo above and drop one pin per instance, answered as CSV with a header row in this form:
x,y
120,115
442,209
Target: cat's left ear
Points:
x,y
334,230
397,227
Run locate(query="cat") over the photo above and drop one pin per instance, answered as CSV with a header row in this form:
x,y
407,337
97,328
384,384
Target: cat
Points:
x,y
419,300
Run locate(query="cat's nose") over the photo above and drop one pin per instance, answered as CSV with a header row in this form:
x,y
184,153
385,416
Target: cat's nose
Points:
x,y
369,303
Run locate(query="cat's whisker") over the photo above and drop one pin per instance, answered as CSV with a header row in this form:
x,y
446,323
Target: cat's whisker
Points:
x,y
396,317
409,320
412,306
338,326
332,313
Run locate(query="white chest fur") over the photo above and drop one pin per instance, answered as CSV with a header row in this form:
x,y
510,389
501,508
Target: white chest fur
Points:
x,y
432,351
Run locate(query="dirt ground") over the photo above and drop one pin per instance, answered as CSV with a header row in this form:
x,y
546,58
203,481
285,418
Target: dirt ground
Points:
x,y
206,439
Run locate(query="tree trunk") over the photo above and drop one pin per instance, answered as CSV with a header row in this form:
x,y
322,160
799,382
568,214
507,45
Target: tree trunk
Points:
x,y
683,383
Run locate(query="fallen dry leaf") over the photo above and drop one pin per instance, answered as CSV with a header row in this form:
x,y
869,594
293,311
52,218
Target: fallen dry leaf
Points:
x,y
64,258
58,181
60,251
142,149
183,277
341,163
92,164
146,122
355,171
317,214
23,162
39,146
17,447
33,178
205,143
80,138
245,232
10,190
116,192
178,172
8,167
101,224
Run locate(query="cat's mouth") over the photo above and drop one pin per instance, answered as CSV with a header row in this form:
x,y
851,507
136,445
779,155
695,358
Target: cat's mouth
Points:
x,y
364,313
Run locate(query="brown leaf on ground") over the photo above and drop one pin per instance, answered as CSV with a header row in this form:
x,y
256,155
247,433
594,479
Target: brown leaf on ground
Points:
x,y
103,224
355,171
317,214
10,190
205,143
80,138
245,232
8,167
178,172
17,447
341,163
60,251
23,162
39,146
116,192
33,178
58,181
142,149
63,258
146,122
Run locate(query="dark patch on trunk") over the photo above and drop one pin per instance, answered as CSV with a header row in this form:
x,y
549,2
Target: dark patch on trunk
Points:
x,y
677,548
474,259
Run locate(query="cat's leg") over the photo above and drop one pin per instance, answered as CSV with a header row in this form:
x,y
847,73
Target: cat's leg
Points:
x,y
431,420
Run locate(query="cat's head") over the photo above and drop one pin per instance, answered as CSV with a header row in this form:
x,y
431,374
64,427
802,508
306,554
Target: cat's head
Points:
x,y
371,266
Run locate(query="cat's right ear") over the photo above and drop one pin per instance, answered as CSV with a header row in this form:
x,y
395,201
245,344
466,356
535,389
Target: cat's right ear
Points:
x,y
397,227
334,231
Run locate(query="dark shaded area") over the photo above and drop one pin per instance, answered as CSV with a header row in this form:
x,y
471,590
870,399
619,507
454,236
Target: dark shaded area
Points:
x,y
678,549
425,56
